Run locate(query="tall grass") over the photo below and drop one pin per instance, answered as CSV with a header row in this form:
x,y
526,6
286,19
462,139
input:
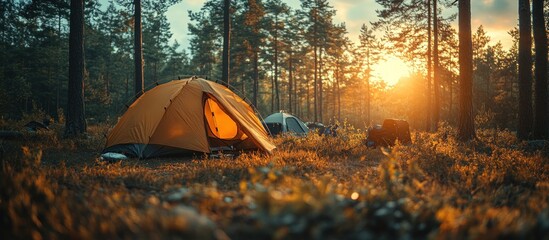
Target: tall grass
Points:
x,y
318,187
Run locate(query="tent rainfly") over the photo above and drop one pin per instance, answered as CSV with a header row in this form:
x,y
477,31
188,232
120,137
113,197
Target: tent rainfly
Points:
x,y
184,117
281,122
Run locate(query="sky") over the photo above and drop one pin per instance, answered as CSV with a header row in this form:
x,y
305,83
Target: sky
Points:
x,y
497,17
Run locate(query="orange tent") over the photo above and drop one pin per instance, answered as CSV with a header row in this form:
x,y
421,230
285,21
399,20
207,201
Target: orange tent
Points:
x,y
187,116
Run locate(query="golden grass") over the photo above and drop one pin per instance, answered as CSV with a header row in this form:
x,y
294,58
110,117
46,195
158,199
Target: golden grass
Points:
x,y
310,188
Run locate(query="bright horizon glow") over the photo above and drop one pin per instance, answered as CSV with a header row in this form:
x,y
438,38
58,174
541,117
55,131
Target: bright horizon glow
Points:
x,y
391,70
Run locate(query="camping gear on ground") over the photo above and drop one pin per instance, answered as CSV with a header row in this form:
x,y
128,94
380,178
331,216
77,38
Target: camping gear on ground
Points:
x,y
316,126
331,130
34,126
113,157
388,133
281,122
187,116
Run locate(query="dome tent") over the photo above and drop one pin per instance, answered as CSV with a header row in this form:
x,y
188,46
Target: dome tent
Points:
x,y
187,116
282,122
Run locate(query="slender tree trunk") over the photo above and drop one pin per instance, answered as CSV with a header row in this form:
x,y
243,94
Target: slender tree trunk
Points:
x,y
315,84
334,97
155,71
525,71
338,99
368,95
277,90
487,99
272,93
296,98
315,48
225,72
436,85
541,121
320,87
368,92
75,122
466,127
256,77
138,50
451,101
290,83
308,96
58,87
429,70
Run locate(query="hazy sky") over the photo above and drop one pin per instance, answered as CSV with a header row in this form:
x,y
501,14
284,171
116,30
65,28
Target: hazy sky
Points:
x,y
497,17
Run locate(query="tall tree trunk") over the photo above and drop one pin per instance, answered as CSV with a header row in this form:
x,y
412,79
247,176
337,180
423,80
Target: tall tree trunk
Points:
x,y
451,101
436,84
127,87
297,106
154,71
58,87
466,127
368,95
338,98
334,97
75,122
272,93
138,50
225,74
277,90
525,71
368,92
290,83
541,125
256,77
315,48
308,96
429,70
315,84
320,87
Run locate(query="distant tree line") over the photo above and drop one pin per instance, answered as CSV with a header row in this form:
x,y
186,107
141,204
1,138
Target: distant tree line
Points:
x,y
297,60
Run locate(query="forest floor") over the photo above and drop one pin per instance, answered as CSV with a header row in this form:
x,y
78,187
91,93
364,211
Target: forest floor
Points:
x,y
310,188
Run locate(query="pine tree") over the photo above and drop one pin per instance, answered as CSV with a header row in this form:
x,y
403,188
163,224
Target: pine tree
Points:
x,y
225,74
466,128
277,12
368,53
541,125
139,82
525,71
75,122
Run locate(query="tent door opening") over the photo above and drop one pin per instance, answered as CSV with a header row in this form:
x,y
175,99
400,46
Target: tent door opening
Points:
x,y
222,130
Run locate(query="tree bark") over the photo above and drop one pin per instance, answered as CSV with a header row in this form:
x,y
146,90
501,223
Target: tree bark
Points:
x,y
139,83
277,89
525,71
368,96
429,70
290,82
315,48
541,120
75,122
338,88
436,83
320,87
315,83
466,128
226,42
256,77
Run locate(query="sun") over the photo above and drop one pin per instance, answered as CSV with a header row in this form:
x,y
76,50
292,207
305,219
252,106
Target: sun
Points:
x,y
391,70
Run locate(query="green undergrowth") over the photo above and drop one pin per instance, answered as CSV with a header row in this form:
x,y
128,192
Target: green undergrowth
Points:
x,y
317,187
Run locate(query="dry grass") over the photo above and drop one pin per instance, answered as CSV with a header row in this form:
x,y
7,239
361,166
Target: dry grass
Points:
x,y
311,188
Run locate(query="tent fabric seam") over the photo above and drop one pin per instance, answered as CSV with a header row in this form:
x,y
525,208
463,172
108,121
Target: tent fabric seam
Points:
x,y
165,110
